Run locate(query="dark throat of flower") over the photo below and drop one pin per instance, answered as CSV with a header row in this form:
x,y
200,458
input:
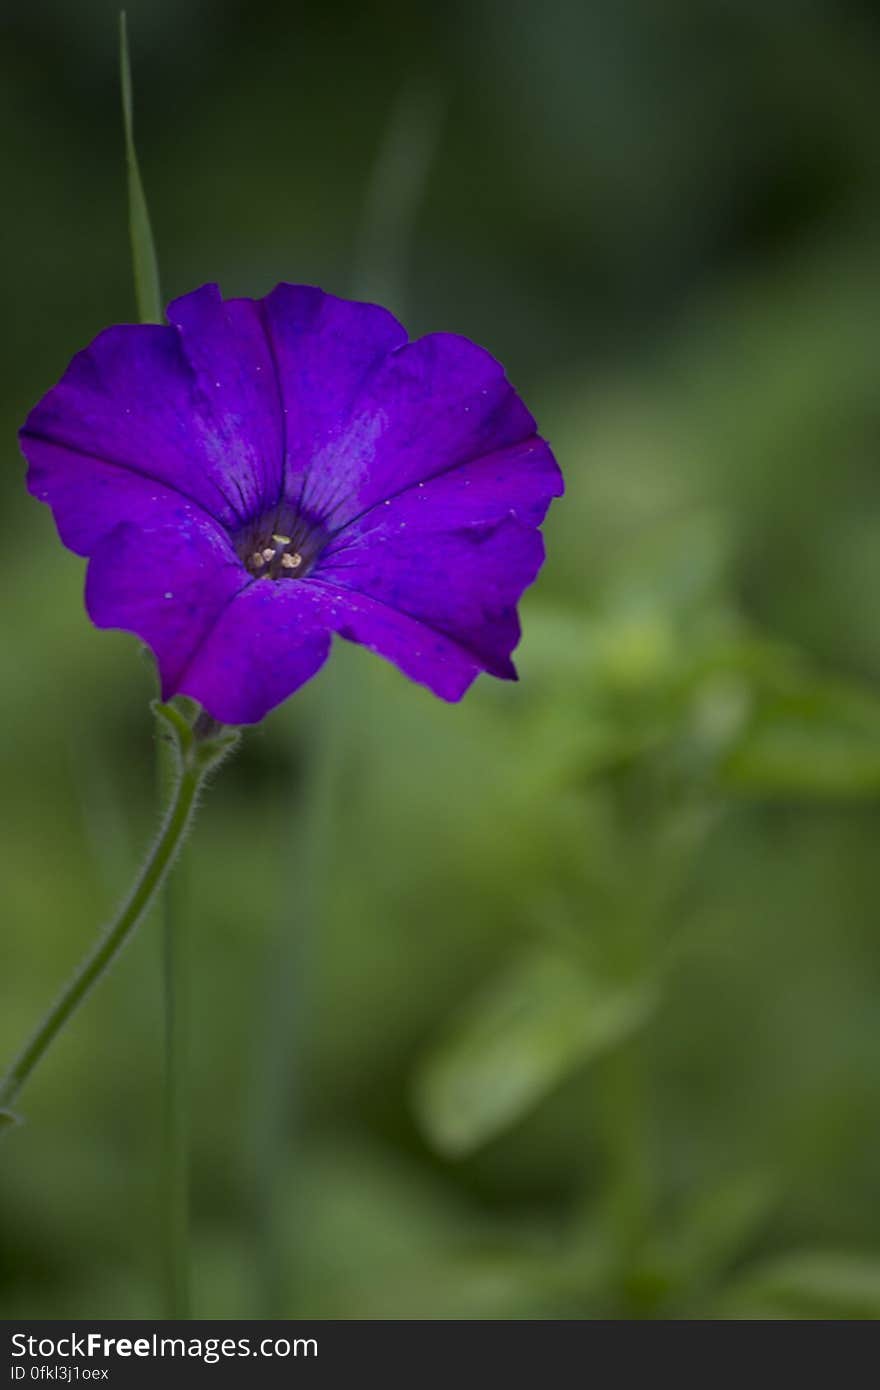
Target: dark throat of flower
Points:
x,y
278,546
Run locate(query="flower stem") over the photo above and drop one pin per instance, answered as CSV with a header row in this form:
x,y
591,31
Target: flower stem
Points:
x,y
195,760
175,1138
623,1095
176,1142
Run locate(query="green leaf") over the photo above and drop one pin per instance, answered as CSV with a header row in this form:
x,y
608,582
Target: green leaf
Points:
x,y
809,1285
542,1020
718,1224
143,250
813,738
8,1120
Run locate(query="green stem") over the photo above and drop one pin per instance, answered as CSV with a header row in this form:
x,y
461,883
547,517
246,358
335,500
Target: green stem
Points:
x,y
175,1207
623,1097
195,761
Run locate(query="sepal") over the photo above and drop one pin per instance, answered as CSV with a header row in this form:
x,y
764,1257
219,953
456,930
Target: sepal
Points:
x,y
200,742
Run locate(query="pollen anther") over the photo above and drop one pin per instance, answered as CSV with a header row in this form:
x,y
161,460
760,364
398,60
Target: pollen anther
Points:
x,y
291,562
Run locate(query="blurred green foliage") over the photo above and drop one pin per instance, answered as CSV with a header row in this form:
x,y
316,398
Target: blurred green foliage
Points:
x,y
564,1002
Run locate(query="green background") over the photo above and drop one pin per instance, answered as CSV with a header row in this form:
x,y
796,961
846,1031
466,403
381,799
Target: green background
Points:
x,y
564,1002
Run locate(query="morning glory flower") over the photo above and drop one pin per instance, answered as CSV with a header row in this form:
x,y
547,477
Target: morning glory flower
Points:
x,y
258,475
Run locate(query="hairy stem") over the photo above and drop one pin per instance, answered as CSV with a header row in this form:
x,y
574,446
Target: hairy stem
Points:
x,y
175,1140
195,760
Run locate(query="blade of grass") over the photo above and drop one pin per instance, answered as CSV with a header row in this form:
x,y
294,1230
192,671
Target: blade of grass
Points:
x,y
143,250
395,192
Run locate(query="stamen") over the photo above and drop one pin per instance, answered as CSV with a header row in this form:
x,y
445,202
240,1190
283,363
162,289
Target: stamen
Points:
x,y
283,554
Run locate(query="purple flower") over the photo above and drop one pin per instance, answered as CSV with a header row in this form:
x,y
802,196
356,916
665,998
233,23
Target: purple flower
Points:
x,y
260,474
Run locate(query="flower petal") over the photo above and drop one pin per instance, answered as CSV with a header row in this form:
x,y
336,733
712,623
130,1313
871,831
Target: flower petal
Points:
x,y
519,481
143,400
269,641
463,589
89,497
432,405
426,655
455,553
168,584
226,343
326,350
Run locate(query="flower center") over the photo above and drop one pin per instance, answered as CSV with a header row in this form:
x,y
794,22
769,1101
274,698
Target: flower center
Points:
x,y
277,560
279,546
